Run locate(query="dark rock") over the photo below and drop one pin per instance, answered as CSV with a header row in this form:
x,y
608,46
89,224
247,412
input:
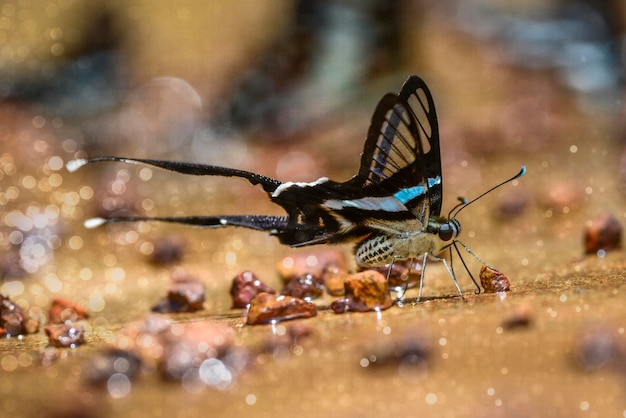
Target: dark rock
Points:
x,y
604,234
246,285
493,280
267,308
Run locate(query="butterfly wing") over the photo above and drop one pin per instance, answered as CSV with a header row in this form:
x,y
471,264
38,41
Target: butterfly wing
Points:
x,y
401,153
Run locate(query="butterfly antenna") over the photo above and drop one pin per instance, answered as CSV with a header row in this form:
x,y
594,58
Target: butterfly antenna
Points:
x,y
464,203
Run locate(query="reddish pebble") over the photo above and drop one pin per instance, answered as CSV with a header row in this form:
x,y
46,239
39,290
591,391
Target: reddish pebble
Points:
x,y
63,310
185,295
365,291
334,278
66,335
267,308
493,280
604,234
305,287
246,285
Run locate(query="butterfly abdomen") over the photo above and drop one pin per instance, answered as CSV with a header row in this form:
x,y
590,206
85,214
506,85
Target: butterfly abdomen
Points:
x,y
378,250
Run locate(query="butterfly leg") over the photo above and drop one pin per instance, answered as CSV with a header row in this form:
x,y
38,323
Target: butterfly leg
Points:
x,y
450,272
478,290
419,295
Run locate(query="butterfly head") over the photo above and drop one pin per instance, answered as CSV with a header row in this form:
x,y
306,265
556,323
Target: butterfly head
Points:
x,y
449,230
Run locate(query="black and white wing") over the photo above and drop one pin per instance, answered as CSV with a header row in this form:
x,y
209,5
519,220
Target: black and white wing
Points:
x,y
402,153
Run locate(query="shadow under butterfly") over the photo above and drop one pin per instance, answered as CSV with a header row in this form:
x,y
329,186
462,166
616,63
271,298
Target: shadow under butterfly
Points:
x,y
390,209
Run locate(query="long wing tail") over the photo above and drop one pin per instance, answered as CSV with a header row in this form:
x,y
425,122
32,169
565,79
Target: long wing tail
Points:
x,y
271,224
268,184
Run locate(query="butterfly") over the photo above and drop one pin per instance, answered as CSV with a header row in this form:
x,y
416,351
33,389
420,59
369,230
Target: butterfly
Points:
x,y
390,210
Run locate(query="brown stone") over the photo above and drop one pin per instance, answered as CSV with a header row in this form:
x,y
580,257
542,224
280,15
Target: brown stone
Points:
x,y
604,234
364,291
246,285
334,278
185,295
266,308
493,280
62,310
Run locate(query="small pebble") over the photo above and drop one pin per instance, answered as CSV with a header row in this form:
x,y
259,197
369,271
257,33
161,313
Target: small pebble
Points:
x,y
14,321
493,280
69,335
246,285
306,287
364,291
334,278
62,310
185,295
167,251
520,317
267,308
604,234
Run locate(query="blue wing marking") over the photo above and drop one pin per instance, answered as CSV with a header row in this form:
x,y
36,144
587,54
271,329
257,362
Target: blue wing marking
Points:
x,y
406,195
